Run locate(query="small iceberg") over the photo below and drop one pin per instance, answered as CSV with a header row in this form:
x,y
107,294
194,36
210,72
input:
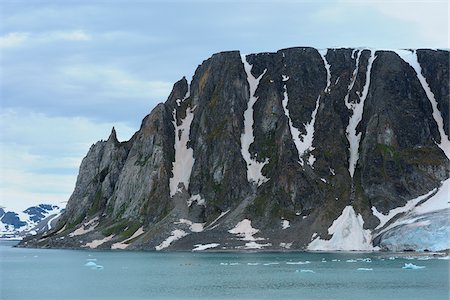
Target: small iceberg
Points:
x,y
351,260
365,269
304,271
412,267
91,264
298,262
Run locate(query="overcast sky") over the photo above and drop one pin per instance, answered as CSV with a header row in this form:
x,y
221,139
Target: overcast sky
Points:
x,y
70,70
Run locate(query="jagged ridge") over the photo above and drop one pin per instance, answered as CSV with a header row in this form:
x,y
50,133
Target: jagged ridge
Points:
x,y
293,143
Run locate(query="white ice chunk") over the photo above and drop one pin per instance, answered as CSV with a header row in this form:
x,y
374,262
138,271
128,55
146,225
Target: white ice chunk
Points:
x,y
411,58
365,269
412,267
201,247
347,234
254,168
176,235
305,271
357,112
184,156
298,262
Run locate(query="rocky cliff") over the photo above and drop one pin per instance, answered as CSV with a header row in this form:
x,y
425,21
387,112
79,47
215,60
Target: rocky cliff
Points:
x,y
337,149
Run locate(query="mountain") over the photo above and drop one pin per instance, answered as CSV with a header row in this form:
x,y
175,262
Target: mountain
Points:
x,y
33,220
337,149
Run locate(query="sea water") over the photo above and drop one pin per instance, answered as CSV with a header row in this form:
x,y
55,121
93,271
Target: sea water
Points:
x,y
83,274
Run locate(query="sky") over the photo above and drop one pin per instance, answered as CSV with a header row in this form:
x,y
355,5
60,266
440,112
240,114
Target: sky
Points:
x,y
71,70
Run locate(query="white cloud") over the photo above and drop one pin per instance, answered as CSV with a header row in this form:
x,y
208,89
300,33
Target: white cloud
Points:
x,y
430,19
13,39
73,35
113,82
40,155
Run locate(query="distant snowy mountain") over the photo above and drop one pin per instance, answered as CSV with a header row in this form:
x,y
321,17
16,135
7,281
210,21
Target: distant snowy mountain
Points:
x,y
33,220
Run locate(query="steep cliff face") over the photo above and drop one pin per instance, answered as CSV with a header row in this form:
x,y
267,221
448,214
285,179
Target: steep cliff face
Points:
x,y
299,149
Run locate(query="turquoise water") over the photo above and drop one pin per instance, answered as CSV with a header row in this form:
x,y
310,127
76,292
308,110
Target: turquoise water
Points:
x,y
62,274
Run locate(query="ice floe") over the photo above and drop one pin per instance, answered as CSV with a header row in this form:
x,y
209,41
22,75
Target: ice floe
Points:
x,y
365,269
412,266
254,168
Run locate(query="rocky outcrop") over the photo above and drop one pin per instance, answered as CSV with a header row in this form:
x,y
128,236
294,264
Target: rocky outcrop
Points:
x,y
270,151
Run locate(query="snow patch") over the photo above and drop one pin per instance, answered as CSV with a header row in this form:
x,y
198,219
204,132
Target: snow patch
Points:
x,y
201,247
410,57
95,243
196,198
255,245
194,227
286,245
347,234
285,224
123,244
176,235
254,168
357,111
184,156
245,230
217,219
85,228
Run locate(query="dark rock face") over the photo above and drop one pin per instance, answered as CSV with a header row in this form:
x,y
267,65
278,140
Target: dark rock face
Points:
x,y
330,129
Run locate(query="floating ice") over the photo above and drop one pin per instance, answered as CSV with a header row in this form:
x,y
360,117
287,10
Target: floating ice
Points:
x,y
252,264
298,262
365,269
304,271
93,266
412,267
351,260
